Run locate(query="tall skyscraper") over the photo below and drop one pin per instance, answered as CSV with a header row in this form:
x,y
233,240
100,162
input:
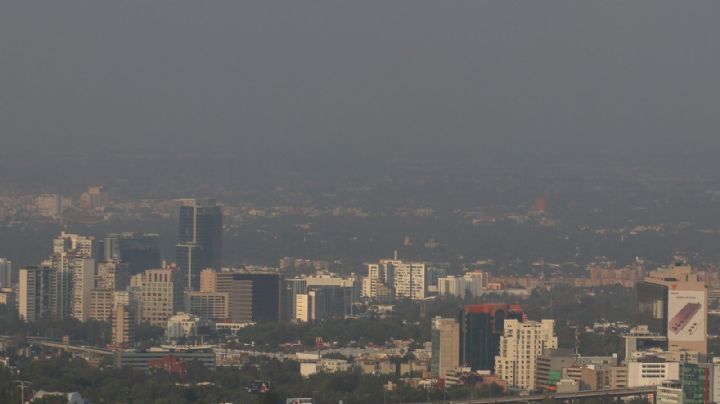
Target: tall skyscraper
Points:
x,y
5,273
74,263
138,251
37,294
199,239
481,326
82,284
520,345
445,336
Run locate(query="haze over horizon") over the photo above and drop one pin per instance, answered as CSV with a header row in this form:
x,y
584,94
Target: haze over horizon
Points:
x,y
354,83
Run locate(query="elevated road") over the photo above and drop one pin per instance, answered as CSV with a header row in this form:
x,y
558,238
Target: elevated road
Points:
x,y
634,391
56,344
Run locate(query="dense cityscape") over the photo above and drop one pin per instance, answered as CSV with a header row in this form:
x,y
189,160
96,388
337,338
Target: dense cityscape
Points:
x,y
359,202
315,330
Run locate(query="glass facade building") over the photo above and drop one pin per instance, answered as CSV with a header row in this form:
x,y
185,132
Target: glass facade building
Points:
x,y
652,311
482,326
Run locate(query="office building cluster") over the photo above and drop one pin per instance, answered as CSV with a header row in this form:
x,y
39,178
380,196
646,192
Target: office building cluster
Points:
x,y
391,279
491,339
88,279
667,349
120,279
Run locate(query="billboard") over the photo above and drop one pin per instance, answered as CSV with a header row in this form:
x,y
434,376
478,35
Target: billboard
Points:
x,y
687,315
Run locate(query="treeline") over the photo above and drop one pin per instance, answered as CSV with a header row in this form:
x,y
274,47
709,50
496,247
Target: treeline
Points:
x,y
109,385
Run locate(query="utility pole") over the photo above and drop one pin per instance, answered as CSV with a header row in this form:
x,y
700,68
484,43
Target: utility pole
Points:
x,y
23,384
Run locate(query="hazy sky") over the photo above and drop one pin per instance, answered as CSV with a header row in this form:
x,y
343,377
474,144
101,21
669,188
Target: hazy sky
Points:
x,y
359,77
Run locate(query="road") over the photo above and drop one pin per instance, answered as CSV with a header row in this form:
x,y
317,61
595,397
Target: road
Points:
x,y
634,391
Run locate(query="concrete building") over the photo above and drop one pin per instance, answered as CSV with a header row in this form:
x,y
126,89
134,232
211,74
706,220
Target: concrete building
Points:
x,y
410,280
567,386
156,295
211,305
406,279
641,339
37,294
74,262
550,364
123,326
102,304
106,277
182,325
618,377
445,337
669,392
451,286
476,282
651,371
522,342
81,286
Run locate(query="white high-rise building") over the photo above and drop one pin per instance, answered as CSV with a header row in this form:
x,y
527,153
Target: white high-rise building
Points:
x,y
452,286
410,280
81,246
522,342
74,263
5,273
475,282
83,282
407,279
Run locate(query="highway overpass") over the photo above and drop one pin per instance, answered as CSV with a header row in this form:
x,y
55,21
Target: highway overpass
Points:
x,y
609,394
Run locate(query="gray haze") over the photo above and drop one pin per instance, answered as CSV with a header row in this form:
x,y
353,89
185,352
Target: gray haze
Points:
x,y
359,79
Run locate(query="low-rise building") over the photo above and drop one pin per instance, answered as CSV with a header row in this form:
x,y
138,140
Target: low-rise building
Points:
x,y
651,371
670,392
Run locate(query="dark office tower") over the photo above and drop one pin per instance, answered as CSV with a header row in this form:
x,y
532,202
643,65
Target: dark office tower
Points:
x,y
481,326
652,306
329,301
199,239
265,294
137,251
